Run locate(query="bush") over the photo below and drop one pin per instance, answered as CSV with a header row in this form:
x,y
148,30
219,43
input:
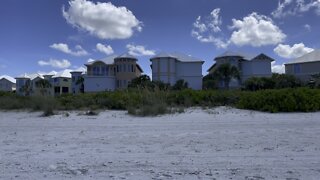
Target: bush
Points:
x,y
180,85
283,100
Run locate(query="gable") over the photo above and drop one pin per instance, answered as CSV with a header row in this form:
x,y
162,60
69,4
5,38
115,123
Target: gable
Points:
x,y
262,57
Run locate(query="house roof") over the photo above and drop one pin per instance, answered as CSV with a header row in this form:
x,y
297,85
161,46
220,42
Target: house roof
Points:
x,y
213,65
179,56
106,60
23,76
246,56
127,56
63,74
9,78
313,56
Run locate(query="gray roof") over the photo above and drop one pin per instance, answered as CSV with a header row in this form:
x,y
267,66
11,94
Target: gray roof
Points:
x,y
179,56
9,78
245,56
313,56
127,56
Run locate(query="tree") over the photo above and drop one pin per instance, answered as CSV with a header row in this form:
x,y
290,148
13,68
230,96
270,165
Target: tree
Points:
x,y
209,82
226,72
142,81
43,85
80,82
180,85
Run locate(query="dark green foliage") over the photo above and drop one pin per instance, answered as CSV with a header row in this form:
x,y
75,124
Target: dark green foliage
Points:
x,y
145,102
209,82
226,72
282,100
277,81
144,82
180,85
43,85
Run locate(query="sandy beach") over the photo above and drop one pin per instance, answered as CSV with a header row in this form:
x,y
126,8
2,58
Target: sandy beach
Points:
x,y
220,143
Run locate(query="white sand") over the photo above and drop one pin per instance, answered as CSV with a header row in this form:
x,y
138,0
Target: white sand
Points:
x,y
221,143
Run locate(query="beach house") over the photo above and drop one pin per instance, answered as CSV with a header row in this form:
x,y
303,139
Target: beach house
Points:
x,y
108,74
7,83
171,67
249,65
305,66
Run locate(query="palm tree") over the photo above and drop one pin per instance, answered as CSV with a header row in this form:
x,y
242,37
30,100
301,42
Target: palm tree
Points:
x,y
81,82
226,72
43,85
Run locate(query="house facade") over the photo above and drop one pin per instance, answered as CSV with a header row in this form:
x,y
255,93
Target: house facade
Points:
x,y
249,65
108,74
60,83
171,67
305,66
7,83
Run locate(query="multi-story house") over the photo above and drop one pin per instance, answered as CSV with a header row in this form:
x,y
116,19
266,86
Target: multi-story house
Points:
x,y
7,83
171,67
305,66
108,74
249,65
60,83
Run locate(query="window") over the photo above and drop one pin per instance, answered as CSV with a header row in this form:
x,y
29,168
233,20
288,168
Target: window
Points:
x,y
73,79
120,68
296,68
65,79
56,80
65,89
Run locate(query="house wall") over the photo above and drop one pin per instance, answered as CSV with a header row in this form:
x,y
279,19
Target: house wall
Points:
x,y
255,68
164,69
99,83
20,83
75,88
60,83
6,85
126,70
190,72
303,70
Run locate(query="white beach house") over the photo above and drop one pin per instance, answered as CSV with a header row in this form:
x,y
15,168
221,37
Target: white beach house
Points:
x,y
305,66
171,67
7,83
108,74
249,65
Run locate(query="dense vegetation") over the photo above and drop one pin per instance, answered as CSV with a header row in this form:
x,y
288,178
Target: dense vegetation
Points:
x,y
144,102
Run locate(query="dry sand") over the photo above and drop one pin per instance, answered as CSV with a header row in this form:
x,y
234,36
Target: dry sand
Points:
x,y
221,143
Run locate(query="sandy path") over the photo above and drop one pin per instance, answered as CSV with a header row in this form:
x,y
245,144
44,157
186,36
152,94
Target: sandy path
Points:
x,y
221,143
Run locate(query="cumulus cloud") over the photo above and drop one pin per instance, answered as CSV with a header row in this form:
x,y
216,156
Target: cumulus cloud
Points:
x,y
287,51
103,20
55,63
90,60
295,7
277,68
106,49
79,51
138,50
256,30
206,31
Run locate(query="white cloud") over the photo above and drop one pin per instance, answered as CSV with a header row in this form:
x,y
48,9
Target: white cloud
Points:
x,y
295,7
106,49
203,31
307,27
137,50
90,60
256,30
79,51
294,51
103,20
55,63
277,68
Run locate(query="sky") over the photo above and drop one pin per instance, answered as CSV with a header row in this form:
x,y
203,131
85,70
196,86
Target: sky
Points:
x,y
46,35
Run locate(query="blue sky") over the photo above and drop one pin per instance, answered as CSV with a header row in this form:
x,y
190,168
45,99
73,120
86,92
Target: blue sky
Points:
x,y
45,35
